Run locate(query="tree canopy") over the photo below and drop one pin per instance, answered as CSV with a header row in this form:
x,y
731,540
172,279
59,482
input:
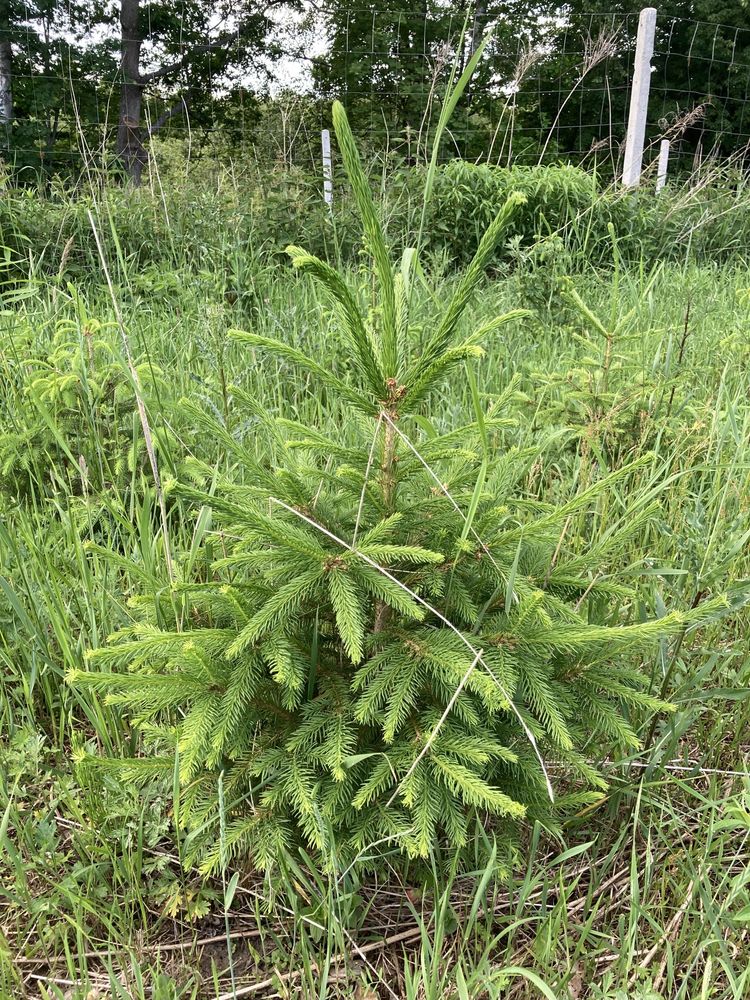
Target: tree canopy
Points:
x,y
91,81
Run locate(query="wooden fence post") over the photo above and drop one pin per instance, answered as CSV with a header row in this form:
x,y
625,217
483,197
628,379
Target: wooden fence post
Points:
x,y
634,141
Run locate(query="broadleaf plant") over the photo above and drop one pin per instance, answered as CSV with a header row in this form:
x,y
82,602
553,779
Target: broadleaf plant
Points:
x,y
400,642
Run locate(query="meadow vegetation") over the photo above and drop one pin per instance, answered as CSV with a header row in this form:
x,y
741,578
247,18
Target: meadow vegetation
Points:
x,y
572,498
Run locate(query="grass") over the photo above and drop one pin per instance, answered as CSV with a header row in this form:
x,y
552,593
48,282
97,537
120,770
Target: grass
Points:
x,y
646,895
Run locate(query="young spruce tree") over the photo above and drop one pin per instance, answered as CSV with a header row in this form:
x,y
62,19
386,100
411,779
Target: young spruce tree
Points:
x,y
399,643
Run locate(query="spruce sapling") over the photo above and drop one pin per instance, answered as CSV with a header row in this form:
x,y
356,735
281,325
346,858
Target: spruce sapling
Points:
x,y
399,642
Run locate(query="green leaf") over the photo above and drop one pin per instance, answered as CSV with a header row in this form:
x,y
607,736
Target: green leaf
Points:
x,y
529,976
230,891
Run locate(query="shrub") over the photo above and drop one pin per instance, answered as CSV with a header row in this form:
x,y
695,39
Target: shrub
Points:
x,y
468,196
564,202
50,234
367,664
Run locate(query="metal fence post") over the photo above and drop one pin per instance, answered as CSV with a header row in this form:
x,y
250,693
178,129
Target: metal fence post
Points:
x,y
661,173
634,142
325,136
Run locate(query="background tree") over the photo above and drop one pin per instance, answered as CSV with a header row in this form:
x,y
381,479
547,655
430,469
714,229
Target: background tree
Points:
x,y
6,66
699,84
389,64
554,78
187,49
553,81
42,51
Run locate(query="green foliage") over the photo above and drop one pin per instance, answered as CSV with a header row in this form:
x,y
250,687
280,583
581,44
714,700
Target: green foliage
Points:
x,y
208,222
467,197
224,228
78,430
51,231
391,66
366,664
618,405
48,51
90,864
570,218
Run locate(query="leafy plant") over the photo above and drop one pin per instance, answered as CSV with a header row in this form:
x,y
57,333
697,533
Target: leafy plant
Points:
x,y
395,639
78,407
467,197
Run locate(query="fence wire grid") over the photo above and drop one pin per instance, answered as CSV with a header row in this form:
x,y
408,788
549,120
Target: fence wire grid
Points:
x,y
552,90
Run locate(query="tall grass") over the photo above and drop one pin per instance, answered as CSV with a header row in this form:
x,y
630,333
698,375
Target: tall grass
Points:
x,y
644,895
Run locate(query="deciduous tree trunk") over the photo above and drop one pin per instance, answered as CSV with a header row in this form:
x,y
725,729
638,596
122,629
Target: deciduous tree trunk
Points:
x,y
130,145
477,28
132,135
6,68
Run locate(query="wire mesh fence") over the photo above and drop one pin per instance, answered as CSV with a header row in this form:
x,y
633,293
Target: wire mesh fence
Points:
x,y
548,87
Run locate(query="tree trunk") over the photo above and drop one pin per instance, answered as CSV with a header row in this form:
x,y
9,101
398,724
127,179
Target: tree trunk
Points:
x,y
6,78
130,146
477,28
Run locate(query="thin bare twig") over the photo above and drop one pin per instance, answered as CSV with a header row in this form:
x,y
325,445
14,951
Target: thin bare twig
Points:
x,y
403,937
